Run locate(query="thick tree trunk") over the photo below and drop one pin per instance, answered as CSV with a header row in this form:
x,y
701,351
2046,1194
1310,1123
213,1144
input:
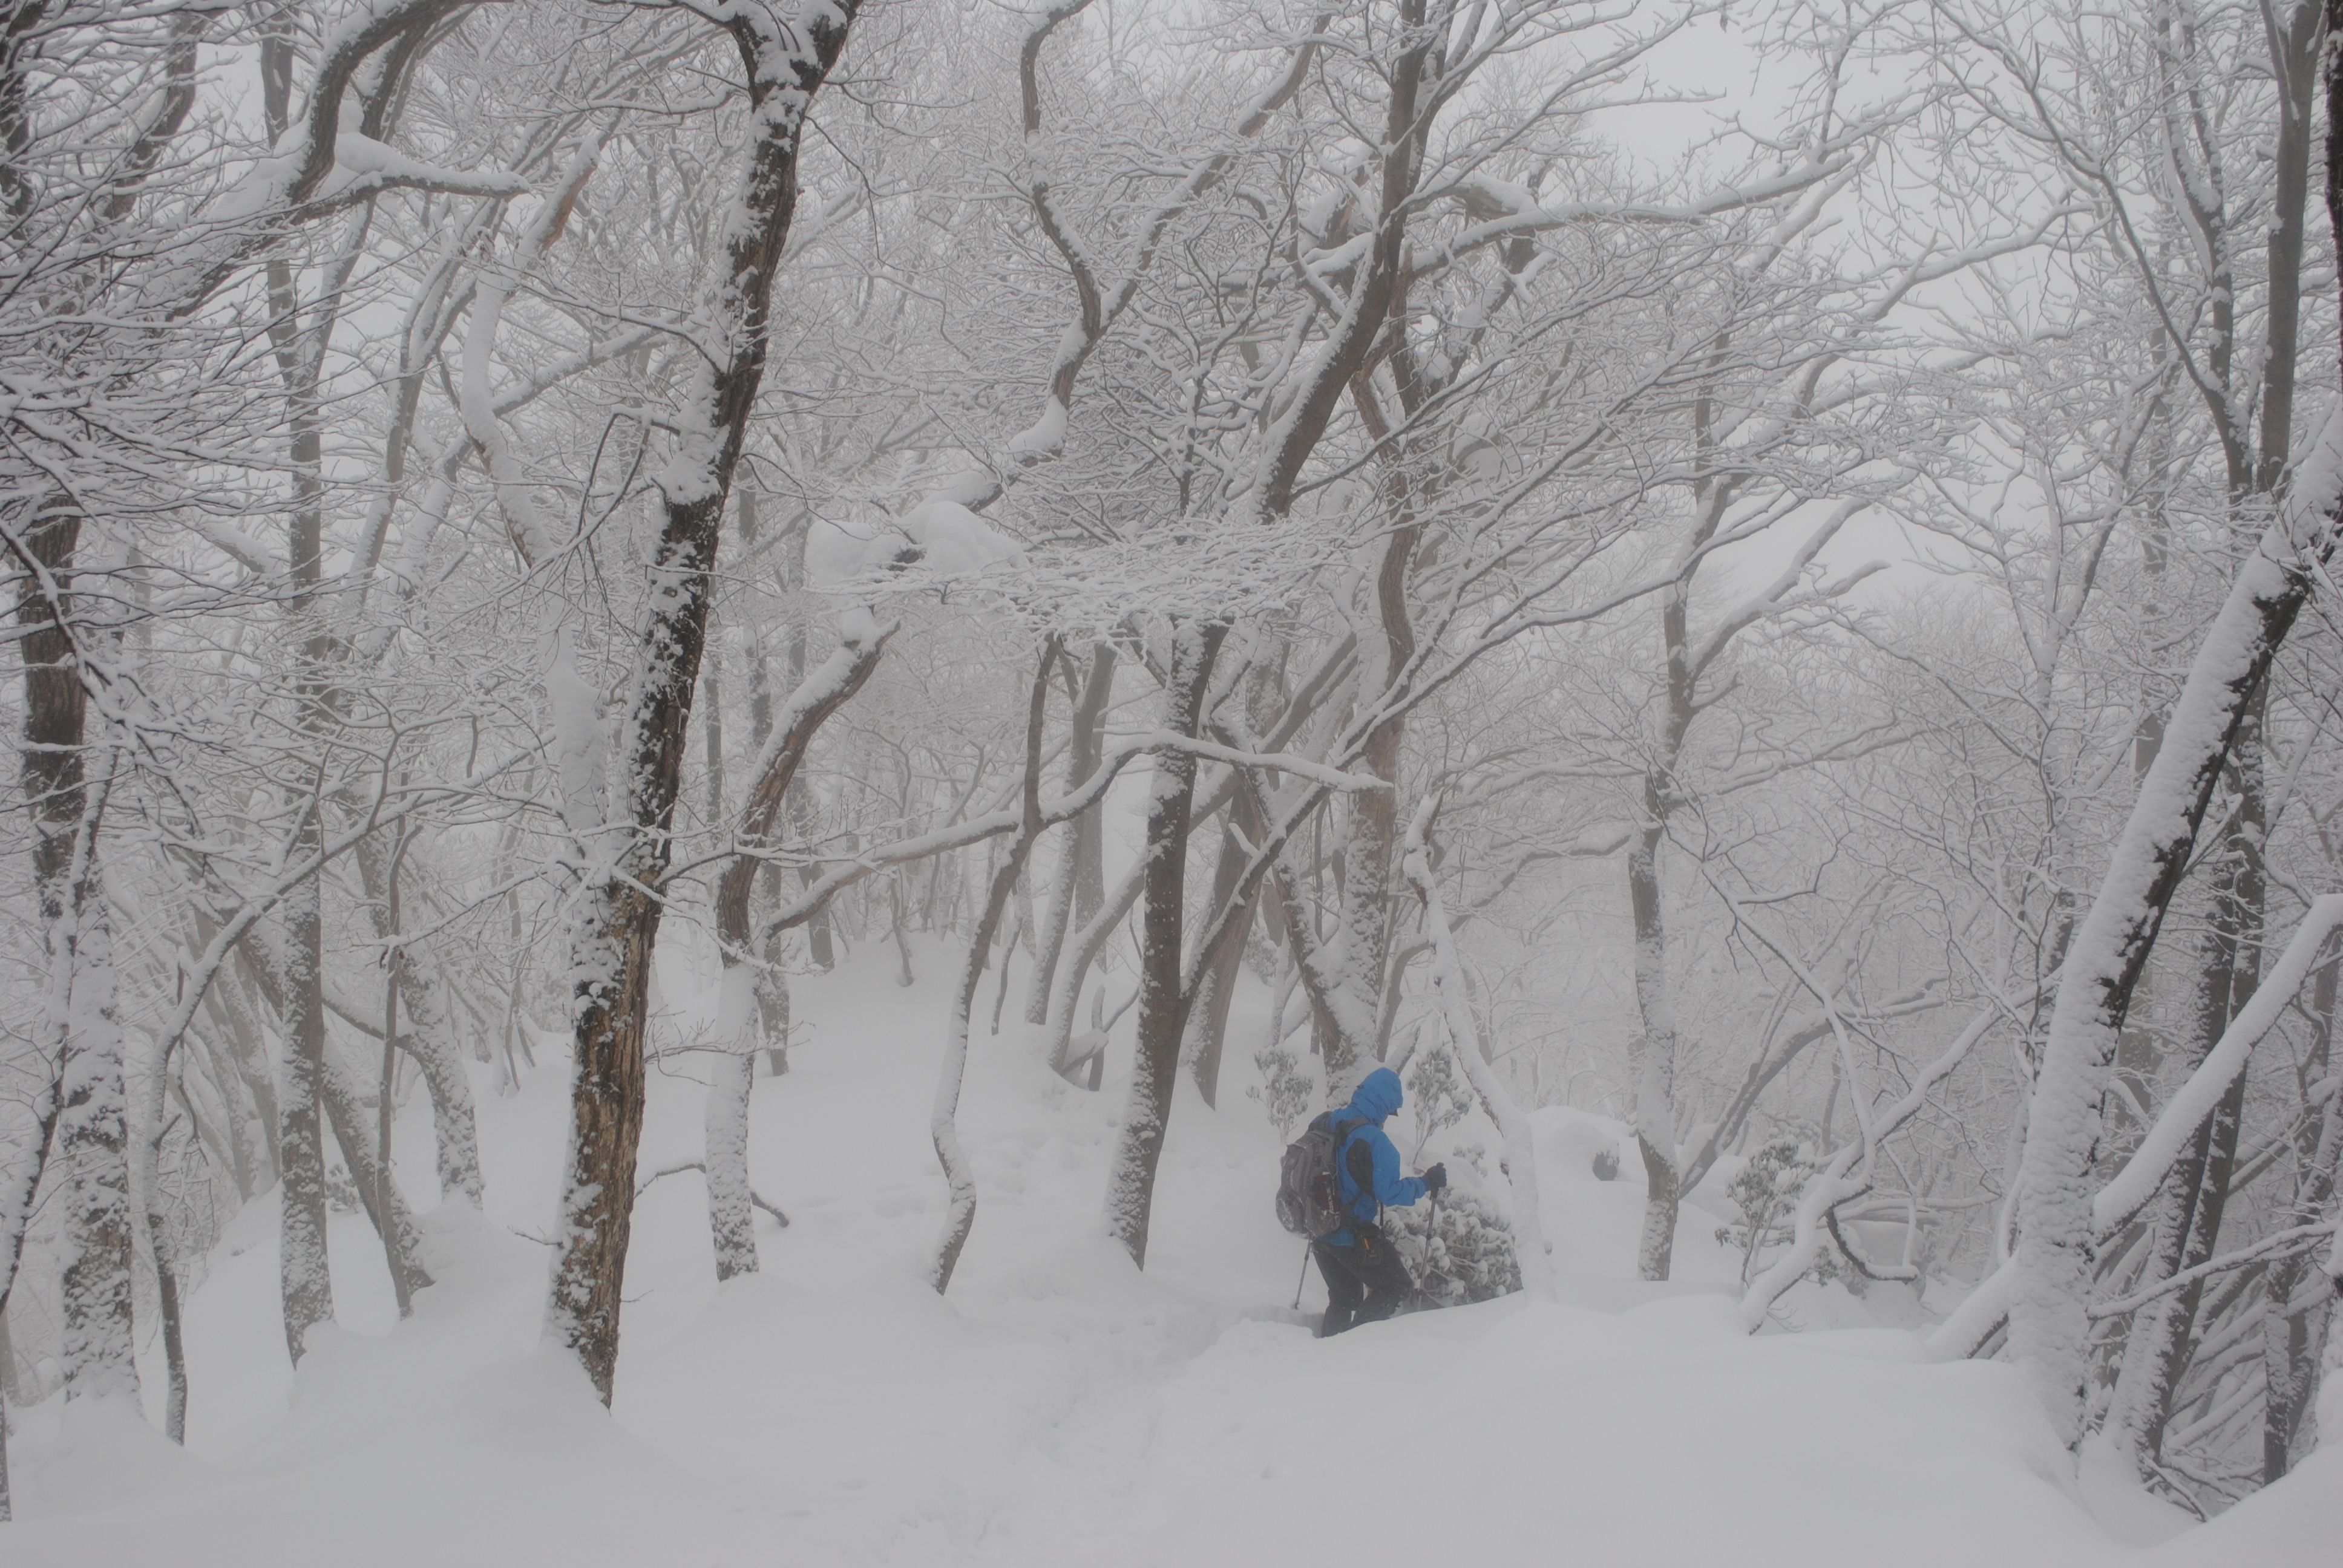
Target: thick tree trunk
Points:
x,y
785,64
89,1128
93,1141
1162,1010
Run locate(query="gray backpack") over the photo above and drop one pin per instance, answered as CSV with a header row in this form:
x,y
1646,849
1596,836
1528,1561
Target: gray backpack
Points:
x,y
1308,1195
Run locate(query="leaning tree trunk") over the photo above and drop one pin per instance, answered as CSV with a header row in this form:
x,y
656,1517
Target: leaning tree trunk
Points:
x,y
619,905
1162,1011
2187,1215
343,1093
2058,1177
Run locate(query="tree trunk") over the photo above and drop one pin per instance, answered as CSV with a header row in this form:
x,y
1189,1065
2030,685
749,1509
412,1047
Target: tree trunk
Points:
x,y
1654,1055
93,1139
731,1214
618,927
754,1010
1078,886
175,1351
1088,943
1162,1010
305,1285
430,1036
2058,1172
2293,1341
346,1102
90,1125
943,1124
1210,1019
2162,1341
1519,1163
305,1281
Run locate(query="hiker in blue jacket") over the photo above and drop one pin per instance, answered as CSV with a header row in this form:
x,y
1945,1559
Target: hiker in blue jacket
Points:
x,y
1366,1280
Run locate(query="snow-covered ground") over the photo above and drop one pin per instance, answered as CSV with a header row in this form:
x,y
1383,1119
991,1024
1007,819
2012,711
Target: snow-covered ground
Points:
x,y
1059,1407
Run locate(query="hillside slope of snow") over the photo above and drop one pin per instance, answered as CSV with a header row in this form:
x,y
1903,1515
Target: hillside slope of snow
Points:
x,y
1059,1407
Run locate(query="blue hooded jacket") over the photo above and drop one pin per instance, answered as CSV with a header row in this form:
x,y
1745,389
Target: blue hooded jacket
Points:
x,y
1377,1096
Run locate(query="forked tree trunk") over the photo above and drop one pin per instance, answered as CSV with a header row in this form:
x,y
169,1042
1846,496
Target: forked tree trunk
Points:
x,y
786,64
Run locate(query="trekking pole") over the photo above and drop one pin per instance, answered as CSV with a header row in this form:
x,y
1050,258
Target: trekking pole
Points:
x,y
1431,1234
1303,1277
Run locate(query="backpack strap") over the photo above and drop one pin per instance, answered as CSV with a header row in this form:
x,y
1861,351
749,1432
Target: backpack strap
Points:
x,y
1343,1130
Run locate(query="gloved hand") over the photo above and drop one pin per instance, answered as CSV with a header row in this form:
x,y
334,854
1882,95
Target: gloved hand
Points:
x,y
1435,1179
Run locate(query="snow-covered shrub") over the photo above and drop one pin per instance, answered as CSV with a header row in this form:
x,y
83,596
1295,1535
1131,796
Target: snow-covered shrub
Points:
x,y
1287,1087
1766,1192
1439,1093
341,1192
1471,1258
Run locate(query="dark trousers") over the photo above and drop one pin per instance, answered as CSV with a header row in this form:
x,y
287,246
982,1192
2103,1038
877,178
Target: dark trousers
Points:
x,y
1365,1283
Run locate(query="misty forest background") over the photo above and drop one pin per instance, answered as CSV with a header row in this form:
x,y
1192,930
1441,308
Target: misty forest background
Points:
x,y
1757,572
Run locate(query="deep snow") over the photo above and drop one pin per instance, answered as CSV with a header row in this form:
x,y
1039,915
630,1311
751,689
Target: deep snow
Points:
x,y
1059,1407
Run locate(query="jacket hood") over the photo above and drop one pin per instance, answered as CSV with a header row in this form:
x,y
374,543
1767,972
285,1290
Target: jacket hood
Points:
x,y
1378,1094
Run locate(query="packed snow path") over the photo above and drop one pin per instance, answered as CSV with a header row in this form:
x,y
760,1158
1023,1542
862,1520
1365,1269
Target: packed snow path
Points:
x,y
1059,1407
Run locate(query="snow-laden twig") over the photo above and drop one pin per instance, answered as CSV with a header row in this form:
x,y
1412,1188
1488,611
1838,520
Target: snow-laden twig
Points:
x,y
1847,1175
2136,1184
2294,1239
